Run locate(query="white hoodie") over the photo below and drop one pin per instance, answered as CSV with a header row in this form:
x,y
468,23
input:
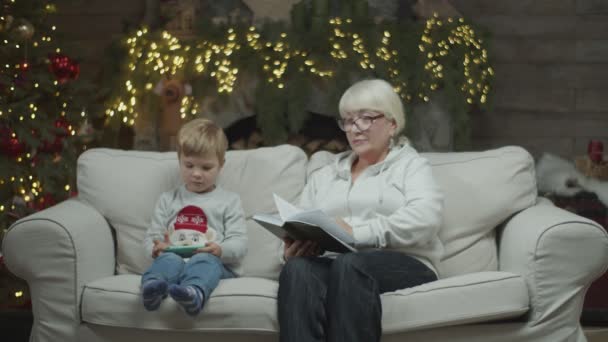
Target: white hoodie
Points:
x,y
395,204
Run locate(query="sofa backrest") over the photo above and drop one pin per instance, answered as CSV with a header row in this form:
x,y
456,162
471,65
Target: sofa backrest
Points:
x,y
481,190
124,187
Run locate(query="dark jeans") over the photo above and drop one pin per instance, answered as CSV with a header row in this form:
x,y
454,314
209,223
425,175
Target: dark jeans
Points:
x,y
323,299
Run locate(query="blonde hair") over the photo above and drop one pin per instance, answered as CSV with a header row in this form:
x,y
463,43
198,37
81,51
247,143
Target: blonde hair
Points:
x,y
377,95
201,137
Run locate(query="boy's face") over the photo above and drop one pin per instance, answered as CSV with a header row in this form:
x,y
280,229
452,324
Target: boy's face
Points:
x,y
199,173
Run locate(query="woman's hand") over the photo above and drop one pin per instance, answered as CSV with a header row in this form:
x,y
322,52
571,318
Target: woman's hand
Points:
x,y
211,248
160,246
295,248
345,225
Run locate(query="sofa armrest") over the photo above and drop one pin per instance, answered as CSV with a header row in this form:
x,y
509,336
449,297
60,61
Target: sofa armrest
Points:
x,y
57,251
559,254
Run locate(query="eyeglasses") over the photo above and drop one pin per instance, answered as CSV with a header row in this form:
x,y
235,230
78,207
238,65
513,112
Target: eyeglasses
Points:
x,y
363,123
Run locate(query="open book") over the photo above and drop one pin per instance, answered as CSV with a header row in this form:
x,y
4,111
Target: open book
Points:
x,y
301,224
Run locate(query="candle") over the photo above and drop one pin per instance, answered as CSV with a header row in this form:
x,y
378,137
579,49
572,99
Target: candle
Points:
x,y
595,151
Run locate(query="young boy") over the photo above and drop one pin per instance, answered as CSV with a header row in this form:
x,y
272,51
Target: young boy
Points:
x,y
201,146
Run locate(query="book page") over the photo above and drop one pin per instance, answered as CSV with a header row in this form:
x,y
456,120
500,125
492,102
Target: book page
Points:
x,y
285,208
313,218
299,230
321,219
272,223
270,218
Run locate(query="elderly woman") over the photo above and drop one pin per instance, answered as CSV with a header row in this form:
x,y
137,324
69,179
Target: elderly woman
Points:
x,y
384,194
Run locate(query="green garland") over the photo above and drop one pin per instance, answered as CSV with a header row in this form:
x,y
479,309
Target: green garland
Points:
x,y
315,52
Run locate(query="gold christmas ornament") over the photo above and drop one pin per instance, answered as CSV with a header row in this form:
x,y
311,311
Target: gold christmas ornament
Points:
x,y
6,22
25,30
172,90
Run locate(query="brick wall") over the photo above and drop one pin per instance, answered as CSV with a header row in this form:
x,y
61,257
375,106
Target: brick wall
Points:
x,y
551,58
89,26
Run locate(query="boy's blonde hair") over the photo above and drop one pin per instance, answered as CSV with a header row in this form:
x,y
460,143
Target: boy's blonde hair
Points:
x,y
201,137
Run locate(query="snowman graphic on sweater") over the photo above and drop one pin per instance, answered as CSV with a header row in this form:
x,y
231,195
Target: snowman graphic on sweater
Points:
x,y
190,228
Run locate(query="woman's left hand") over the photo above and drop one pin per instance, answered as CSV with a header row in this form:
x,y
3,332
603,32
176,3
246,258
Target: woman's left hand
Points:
x,y
293,248
345,225
212,248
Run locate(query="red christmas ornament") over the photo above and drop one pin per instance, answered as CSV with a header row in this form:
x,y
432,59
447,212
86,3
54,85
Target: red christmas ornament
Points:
x,y
14,148
63,67
54,146
24,66
595,151
9,145
63,126
61,130
44,202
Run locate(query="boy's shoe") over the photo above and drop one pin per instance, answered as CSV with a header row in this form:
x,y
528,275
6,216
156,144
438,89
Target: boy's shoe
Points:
x,y
189,297
153,293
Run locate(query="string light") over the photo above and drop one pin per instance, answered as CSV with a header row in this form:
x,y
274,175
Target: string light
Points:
x,y
161,56
475,61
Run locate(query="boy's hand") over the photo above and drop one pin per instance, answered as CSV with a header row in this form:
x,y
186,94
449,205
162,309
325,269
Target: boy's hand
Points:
x,y
160,246
212,248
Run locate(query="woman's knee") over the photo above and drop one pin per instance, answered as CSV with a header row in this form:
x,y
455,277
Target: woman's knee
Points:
x,y
348,261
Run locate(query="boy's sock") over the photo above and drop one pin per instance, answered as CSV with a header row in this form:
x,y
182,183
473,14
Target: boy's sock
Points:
x,y
153,293
189,297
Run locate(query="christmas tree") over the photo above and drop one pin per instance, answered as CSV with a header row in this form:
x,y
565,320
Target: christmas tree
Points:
x,y
43,118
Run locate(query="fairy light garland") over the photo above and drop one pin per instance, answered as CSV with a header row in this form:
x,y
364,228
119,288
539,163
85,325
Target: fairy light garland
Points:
x,y
476,70
167,57
342,38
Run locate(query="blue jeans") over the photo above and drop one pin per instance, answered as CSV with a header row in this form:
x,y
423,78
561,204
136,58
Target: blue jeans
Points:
x,y
203,270
323,299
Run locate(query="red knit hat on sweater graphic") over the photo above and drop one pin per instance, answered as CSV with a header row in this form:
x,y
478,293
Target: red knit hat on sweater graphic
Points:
x,y
191,217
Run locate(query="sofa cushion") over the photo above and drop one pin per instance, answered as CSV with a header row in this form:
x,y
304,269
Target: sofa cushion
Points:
x,y
469,298
124,187
249,304
236,304
481,190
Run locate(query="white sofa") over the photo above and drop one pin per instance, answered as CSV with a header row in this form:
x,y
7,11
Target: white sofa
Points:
x,y
516,267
